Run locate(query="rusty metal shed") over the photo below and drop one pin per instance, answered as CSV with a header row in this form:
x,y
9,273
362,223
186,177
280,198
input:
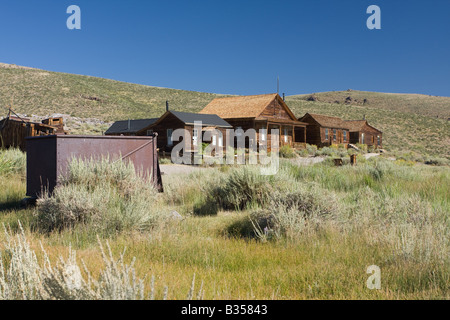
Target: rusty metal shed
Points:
x,y
48,157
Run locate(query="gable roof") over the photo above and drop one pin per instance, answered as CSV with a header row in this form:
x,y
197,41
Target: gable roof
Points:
x,y
211,120
243,106
327,121
357,125
129,126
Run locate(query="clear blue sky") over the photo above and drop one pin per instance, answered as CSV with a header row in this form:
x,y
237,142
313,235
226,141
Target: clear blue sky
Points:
x,y
237,47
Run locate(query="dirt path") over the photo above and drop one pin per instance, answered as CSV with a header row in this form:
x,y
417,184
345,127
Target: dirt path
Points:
x,y
170,169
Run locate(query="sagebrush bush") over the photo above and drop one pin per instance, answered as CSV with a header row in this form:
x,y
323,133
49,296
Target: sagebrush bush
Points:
x,y
292,213
12,161
24,277
287,152
312,149
101,195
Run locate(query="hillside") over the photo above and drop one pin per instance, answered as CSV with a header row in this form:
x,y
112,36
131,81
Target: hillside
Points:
x,y
41,92
430,106
402,131
410,122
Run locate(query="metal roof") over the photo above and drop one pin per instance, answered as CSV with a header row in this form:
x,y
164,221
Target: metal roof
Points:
x,y
206,119
130,126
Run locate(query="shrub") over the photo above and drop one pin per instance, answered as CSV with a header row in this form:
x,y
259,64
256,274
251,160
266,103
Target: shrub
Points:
x,y
303,153
312,149
325,151
103,196
22,277
12,161
287,152
242,187
289,214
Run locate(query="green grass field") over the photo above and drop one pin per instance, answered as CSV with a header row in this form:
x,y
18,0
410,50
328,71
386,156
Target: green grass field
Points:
x,y
391,214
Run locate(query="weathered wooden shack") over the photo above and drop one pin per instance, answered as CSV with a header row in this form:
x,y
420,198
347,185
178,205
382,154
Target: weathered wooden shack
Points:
x,y
258,112
14,130
362,132
325,131
173,120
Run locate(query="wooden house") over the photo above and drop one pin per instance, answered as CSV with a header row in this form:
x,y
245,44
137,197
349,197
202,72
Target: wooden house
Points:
x,y
173,120
257,112
325,131
129,127
362,132
14,130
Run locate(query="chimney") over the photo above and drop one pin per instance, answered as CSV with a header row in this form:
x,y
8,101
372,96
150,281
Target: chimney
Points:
x,y
284,97
129,124
167,105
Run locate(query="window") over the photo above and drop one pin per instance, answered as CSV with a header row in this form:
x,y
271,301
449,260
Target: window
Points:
x,y
326,134
345,135
334,134
379,140
169,137
220,141
285,135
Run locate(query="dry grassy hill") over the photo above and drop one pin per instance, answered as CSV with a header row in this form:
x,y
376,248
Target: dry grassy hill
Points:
x,y
410,122
430,106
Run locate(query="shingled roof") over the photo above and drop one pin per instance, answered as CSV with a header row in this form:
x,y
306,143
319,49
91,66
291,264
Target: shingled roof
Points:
x,y
129,126
357,125
241,106
327,121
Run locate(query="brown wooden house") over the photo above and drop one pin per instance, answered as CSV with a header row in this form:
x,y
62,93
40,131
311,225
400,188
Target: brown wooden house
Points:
x,y
324,131
173,120
267,111
362,132
14,130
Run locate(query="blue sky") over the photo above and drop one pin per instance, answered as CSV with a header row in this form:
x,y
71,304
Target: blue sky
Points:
x,y
237,47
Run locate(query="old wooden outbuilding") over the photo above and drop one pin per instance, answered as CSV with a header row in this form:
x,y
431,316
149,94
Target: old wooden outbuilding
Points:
x,y
261,112
325,131
15,129
362,132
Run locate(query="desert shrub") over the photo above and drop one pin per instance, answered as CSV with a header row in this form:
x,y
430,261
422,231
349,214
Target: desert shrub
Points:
x,y
100,195
23,277
289,214
362,147
12,161
436,161
312,149
242,187
326,151
165,161
303,153
287,152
